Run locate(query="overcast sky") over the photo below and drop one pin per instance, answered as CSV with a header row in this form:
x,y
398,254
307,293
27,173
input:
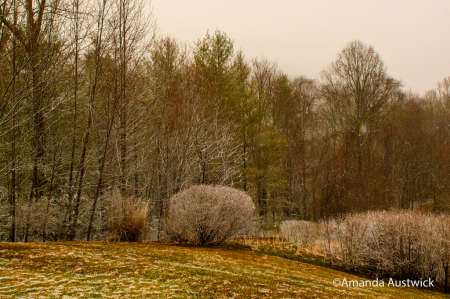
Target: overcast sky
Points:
x,y
304,37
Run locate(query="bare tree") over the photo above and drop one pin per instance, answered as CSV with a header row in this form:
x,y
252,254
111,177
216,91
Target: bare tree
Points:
x,y
356,90
133,35
93,90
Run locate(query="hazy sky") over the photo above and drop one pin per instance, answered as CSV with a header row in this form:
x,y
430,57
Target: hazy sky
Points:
x,y
304,37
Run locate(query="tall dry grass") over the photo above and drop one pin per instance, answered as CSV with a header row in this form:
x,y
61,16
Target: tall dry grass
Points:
x,y
129,218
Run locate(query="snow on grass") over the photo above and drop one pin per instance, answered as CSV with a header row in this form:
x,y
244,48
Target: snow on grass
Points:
x,y
118,270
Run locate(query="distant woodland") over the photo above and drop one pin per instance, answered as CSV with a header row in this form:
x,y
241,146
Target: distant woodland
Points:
x,y
93,102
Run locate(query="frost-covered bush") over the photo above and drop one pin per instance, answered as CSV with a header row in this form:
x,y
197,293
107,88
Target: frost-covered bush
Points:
x,y
301,232
399,244
209,214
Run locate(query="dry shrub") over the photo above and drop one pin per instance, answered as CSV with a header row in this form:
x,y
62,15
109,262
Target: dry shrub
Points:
x,y
129,219
399,244
300,232
209,214
31,219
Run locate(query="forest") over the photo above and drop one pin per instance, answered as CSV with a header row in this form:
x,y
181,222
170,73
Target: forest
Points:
x,y
96,105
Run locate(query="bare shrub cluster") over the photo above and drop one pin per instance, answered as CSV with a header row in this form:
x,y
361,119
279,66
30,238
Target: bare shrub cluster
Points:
x,y
207,214
397,244
35,221
129,219
301,232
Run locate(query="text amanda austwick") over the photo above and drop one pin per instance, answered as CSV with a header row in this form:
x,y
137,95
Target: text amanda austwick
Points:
x,y
406,283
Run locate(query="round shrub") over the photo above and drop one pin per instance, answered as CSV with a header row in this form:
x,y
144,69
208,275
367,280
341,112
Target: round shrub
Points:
x,y
208,214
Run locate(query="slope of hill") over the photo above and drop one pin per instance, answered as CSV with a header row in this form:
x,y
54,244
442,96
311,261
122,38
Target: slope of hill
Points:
x,y
113,270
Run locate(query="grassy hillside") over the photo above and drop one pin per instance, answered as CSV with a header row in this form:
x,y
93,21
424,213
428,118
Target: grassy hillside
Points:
x,y
113,270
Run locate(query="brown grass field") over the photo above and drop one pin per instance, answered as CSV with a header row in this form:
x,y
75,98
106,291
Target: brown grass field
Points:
x,y
158,270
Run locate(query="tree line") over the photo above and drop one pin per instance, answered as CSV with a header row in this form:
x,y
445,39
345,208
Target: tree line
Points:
x,y
92,100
